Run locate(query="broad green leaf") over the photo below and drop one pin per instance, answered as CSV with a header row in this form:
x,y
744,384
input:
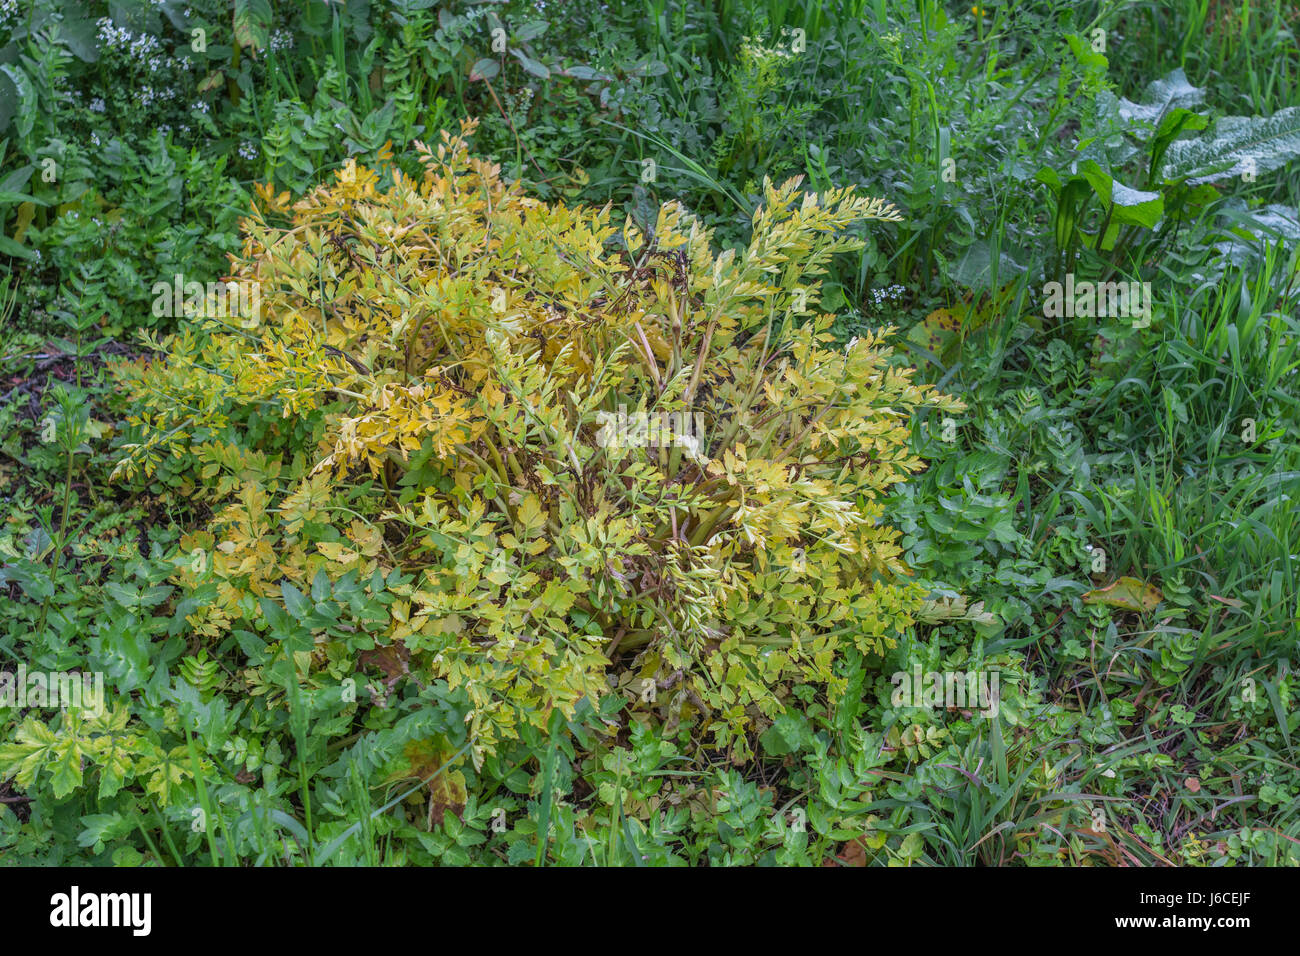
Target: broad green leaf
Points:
x,y
484,69
1160,97
1235,146
252,23
295,602
531,30
532,66
1129,206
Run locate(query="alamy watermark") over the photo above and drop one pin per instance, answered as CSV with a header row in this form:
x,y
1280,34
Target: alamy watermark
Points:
x,y
238,299
68,690
622,429
957,689
75,908
1089,300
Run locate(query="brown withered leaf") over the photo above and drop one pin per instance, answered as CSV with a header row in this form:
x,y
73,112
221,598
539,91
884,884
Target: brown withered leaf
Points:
x,y
852,853
425,760
392,659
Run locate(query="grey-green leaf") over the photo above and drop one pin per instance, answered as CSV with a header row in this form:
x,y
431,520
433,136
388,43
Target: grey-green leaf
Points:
x,y
1160,96
1235,146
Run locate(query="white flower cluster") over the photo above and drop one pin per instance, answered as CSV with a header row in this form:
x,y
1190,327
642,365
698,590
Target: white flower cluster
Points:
x,y
892,294
281,40
148,96
143,48
97,105
248,150
757,51
111,35
148,48
199,106
7,9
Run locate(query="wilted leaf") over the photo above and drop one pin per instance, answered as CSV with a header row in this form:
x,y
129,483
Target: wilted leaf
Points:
x,y
1127,593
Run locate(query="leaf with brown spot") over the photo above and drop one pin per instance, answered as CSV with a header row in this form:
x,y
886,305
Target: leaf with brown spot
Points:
x,y
1128,594
937,331
427,760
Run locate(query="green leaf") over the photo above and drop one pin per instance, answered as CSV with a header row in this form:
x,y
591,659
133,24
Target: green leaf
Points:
x,y
1160,97
532,66
531,30
99,828
127,595
1088,58
1235,146
27,107
484,69
12,197
65,769
1129,206
79,37
295,602
252,23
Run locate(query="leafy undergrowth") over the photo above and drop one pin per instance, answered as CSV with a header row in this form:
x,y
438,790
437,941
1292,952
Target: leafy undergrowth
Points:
x,y
379,572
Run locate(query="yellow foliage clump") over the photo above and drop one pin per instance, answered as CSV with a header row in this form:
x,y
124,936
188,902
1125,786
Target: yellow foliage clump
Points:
x,y
589,450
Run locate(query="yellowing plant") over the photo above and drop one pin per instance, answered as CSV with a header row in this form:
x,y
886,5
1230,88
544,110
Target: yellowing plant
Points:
x,y
439,364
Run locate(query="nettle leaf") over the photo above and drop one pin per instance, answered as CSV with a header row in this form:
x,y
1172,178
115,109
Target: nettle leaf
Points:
x,y
1235,146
